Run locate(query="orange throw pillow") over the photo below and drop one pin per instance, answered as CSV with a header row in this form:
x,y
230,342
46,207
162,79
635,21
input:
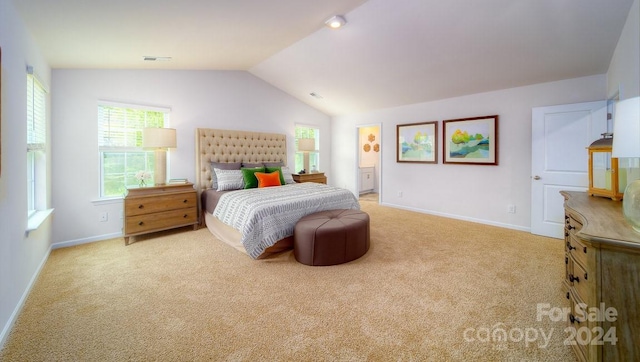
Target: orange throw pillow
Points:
x,y
268,179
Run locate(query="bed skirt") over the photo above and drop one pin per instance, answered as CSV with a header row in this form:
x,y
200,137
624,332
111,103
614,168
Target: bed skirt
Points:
x,y
232,237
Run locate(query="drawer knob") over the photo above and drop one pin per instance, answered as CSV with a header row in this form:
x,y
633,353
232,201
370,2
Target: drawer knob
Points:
x,y
570,247
573,278
140,206
141,223
185,201
184,216
571,227
567,295
585,249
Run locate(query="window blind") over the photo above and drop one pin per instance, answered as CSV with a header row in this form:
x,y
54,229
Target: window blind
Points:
x,y
120,126
36,115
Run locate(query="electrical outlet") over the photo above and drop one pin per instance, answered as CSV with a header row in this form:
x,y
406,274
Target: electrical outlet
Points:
x,y
399,193
104,216
511,209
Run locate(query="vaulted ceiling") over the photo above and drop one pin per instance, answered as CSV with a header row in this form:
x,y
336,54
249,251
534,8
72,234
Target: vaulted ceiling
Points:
x,y
390,53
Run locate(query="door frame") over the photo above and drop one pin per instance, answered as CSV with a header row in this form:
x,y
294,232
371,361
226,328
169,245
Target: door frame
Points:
x,y
378,170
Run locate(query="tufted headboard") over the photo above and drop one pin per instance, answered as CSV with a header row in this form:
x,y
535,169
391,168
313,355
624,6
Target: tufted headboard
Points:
x,y
219,145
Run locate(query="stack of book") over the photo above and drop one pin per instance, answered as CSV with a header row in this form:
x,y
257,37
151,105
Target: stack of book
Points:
x,y
175,181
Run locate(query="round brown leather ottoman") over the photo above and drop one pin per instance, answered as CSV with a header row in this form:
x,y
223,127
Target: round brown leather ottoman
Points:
x,y
331,237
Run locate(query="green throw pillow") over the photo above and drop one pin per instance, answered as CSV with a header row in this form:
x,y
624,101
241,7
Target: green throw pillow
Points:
x,y
250,180
279,169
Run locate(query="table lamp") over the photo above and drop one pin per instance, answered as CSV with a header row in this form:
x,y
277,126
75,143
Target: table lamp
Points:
x,y
159,139
306,145
626,144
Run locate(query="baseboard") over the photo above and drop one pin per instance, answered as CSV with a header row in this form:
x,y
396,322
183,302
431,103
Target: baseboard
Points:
x,y
23,299
65,244
458,217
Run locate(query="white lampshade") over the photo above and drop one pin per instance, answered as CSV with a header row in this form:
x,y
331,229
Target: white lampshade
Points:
x,y
626,143
307,144
159,138
626,128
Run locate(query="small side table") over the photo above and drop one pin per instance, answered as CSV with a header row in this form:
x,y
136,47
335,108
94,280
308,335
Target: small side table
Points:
x,y
151,209
317,177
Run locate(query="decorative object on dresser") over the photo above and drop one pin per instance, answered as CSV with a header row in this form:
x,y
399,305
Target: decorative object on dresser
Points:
x,y
602,279
626,145
604,178
306,145
159,139
318,177
151,209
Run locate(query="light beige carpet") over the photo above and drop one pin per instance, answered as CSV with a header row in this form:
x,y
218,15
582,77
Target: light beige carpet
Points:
x,y
429,288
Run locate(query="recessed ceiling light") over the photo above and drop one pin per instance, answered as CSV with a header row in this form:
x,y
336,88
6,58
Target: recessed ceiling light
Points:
x,y
149,58
335,22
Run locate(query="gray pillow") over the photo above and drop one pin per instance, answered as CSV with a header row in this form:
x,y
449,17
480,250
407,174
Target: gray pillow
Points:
x,y
229,179
252,165
222,166
273,164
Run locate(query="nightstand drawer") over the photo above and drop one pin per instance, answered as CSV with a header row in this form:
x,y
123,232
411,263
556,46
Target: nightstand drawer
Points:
x,y
160,221
151,204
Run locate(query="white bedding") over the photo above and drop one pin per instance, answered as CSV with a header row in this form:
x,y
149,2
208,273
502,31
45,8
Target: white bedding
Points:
x,y
265,215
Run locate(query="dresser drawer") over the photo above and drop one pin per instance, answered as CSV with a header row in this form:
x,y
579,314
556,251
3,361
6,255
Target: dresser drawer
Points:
x,y
580,349
583,283
160,221
579,251
572,224
155,203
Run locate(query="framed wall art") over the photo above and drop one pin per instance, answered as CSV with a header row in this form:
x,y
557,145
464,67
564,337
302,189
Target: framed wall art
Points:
x,y
471,140
417,142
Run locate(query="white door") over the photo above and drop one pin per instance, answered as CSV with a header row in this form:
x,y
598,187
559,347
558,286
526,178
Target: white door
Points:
x,y
560,137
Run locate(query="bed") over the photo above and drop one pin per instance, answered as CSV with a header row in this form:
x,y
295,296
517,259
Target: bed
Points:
x,y
257,221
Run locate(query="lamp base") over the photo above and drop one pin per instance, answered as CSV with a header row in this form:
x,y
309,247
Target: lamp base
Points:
x,y
631,205
160,175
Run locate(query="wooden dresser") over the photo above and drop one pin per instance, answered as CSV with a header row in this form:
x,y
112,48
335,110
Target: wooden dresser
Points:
x,y
602,257
318,177
150,209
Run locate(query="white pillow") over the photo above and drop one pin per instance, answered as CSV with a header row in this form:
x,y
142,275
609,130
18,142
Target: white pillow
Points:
x,y
286,173
229,179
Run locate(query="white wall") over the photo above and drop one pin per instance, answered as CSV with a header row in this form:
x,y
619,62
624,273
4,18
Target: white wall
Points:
x,y
21,256
470,192
210,99
624,69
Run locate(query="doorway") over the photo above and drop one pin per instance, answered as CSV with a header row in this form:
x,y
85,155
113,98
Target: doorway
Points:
x,y
368,162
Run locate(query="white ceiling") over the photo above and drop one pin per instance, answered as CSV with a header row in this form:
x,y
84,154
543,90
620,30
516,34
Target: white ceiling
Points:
x,y
390,53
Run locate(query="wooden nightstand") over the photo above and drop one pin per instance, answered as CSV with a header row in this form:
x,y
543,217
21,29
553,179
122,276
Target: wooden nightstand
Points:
x,y
318,177
151,209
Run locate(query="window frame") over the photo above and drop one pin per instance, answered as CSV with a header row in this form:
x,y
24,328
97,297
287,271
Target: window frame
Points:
x,y
128,152
304,131
36,157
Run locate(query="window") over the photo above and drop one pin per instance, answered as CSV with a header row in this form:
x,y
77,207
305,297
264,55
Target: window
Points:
x,y
120,144
36,144
314,157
